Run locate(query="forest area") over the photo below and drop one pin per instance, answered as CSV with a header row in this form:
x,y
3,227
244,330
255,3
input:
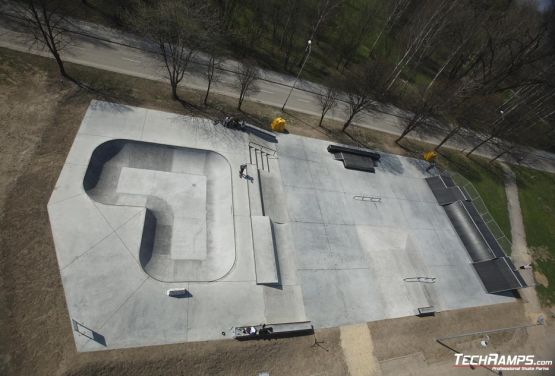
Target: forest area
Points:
x,y
487,66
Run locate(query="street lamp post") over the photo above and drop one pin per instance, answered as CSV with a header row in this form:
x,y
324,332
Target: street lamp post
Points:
x,y
307,50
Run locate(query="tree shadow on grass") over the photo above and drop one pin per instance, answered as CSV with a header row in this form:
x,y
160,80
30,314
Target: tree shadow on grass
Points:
x,y
411,149
471,168
323,130
101,88
194,109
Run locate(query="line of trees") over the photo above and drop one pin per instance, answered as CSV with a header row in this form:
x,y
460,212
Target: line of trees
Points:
x,y
485,66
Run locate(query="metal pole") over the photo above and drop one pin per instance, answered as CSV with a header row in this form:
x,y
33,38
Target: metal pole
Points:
x,y
308,48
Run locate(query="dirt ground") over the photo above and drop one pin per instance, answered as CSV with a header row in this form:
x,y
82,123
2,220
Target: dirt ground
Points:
x,y
409,344
39,116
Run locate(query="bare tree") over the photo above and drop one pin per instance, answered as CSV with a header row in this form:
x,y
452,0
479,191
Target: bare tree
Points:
x,y
454,129
462,28
467,107
250,30
398,8
227,9
351,35
512,45
178,28
504,149
246,75
324,10
425,108
520,109
360,87
47,23
419,35
212,74
293,19
328,100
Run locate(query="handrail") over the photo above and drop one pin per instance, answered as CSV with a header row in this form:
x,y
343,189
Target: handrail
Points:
x,y
273,152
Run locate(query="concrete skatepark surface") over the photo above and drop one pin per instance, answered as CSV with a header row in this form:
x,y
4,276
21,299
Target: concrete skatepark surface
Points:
x,y
149,201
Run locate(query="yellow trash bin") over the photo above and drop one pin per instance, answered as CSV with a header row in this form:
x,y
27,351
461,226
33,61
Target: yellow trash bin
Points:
x,y
430,156
278,124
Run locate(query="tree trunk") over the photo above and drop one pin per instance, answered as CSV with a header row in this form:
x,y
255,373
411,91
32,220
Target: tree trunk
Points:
x,y
174,90
207,92
480,144
409,128
321,119
451,133
498,156
440,71
375,42
60,63
48,35
348,122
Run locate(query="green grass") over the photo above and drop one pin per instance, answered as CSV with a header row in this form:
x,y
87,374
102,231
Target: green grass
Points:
x,y
537,201
420,79
488,180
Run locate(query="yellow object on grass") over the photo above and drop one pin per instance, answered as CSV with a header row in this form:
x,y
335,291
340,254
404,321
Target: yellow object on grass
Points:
x,y
430,155
278,124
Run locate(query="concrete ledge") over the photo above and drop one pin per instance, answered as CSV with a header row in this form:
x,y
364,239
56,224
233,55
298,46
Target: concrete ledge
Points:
x,y
255,196
273,197
264,251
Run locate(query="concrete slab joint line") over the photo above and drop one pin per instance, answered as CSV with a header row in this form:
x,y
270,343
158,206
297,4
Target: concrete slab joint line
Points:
x,y
149,201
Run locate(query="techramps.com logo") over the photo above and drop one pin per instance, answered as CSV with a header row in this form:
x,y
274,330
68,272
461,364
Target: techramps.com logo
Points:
x,y
497,362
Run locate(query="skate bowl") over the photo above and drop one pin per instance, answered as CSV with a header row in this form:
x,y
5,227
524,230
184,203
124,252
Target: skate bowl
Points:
x,y
188,232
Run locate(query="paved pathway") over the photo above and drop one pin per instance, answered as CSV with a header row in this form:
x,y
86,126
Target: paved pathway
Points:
x,y
358,350
112,50
520,254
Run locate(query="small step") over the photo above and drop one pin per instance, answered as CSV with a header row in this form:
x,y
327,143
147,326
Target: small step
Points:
x,y
252,154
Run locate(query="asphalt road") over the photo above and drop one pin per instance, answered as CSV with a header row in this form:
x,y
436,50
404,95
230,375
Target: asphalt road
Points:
x,y
103,48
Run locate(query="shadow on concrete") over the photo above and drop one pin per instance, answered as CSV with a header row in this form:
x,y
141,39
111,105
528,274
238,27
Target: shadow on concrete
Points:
x,y
270,335
390,163
185,295
261,133
148,238
88,332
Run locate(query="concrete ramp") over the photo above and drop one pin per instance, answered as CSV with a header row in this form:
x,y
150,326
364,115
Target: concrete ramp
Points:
x,y
264,251
471,237
499,275
186,193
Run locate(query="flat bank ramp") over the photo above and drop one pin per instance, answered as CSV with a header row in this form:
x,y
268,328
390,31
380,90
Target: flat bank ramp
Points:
x,y
264,251
499,275
273,197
